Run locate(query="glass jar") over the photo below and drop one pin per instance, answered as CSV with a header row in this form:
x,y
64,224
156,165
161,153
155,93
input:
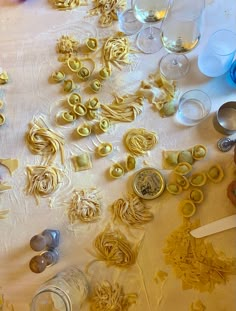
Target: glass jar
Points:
x,y
66,291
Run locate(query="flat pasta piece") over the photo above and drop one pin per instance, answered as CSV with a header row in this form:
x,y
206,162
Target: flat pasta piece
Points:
x,y
11,164
82,162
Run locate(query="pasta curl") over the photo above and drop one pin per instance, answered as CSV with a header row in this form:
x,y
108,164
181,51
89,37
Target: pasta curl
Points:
x,y
85,206
123,109
109,297
43,141
107,10
138,141
42,180
131,211
113,248
116,50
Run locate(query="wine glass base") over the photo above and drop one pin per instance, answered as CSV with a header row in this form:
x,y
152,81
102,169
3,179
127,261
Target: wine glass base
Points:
x,y
174,66
148,40
128,23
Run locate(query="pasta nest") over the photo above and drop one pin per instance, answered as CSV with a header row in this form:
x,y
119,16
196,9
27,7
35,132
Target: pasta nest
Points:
x,y
109,297
131,211
107,9
115,249
67,45
85,206
66,4
43,141
116,50
138,141
43,180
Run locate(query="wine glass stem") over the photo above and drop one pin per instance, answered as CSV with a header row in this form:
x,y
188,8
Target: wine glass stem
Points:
x,y
150,33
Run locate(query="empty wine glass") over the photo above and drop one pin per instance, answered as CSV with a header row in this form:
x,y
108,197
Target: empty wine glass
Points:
x,y
128,22
149,11
180,33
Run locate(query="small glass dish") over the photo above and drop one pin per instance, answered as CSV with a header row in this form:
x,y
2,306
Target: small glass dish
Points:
x,y
194,106
148,183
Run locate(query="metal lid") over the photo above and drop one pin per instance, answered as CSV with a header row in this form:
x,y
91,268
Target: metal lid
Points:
x,y
148,183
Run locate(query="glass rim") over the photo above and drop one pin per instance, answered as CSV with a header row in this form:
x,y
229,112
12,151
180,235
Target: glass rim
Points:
x,y
198,91
55,290
212,38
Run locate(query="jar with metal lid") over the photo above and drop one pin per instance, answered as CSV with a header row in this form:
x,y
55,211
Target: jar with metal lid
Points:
x,y
66,291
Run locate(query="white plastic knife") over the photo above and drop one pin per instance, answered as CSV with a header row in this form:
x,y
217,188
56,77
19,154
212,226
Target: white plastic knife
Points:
x,y
215,226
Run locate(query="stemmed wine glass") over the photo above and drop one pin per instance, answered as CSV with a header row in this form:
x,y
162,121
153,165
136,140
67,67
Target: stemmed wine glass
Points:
x,y
149,11
180,33
128,22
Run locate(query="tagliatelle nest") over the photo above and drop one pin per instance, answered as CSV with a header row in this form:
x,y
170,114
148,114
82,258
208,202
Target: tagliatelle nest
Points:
x,y
138,141
123,109
113,247
195,262
131,211
111,298
43,141
116,50
107,10
42,180
85,206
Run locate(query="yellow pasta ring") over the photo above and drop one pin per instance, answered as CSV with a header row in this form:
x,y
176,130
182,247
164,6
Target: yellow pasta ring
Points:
x,y
187,208
174,188
199,152
80,109
74,99
2,119
130,163
91,114
183,168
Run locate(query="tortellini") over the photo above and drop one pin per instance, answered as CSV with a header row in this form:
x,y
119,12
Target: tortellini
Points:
x,y
96,85
183,168
58,76
185,156
93,104
130,163
105,73
74,99
104,124
198,179
68,116
196,195
74,64
69,85
3,77
84,130
104,149
199,152
174,188
116,171
2,119
80,110
215,173
91,44
84,73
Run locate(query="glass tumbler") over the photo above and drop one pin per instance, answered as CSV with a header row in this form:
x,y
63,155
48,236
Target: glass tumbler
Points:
x,y
66,291
218,54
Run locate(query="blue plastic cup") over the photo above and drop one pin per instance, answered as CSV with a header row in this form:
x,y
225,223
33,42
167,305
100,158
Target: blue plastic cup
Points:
x,y
233,72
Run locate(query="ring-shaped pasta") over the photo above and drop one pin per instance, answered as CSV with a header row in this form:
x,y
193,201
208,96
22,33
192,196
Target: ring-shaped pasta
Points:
x,y
93,103
96,85
68,116
58,76
80,110
2,119
116,170
74,99
74,64
84,130
69,85
104,149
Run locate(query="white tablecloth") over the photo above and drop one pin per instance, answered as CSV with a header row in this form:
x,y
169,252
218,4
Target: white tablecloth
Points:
x,y
28,34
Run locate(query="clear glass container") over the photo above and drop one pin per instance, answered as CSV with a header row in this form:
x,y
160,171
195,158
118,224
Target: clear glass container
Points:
x,y
66,291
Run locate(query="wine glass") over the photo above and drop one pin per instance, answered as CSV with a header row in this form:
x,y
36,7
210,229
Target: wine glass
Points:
x,y
128,22
149,11
180,33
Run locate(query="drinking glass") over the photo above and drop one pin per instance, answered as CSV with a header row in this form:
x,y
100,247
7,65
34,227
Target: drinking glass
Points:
x,y
217,56
180,33
128,22
149,11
